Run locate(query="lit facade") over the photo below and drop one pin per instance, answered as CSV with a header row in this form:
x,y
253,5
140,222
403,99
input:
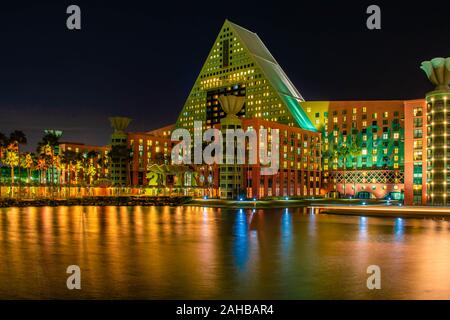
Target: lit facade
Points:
x,y
415,152
92,161
367,149
362,146
147,148
438,131
299,159
239,64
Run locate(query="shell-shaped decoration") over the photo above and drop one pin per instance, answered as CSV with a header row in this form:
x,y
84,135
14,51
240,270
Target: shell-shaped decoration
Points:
x,y
438,71
231,104
119,123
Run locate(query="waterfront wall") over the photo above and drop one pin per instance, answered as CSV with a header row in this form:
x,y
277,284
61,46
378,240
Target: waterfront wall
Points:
x,y
96,201
64,192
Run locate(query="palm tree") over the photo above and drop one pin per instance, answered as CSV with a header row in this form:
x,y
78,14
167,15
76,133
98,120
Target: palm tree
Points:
x,y
11,160
342,153
3,144
28,163
48,143
42,166
355,152
70,158
18,138
90,170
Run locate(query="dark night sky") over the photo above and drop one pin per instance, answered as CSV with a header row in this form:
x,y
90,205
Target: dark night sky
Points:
x,y
141,59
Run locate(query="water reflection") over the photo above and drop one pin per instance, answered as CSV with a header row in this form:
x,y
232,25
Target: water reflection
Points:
x,y
363,228
192,252
399,229
286,231
241,241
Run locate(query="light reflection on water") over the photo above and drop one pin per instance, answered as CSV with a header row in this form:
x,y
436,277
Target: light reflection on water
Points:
x,y
192,252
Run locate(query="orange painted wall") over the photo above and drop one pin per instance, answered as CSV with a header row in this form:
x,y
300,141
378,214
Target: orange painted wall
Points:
x,y
409,149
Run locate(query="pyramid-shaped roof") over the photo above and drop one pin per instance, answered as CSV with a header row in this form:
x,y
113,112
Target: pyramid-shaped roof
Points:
x,y
266,61
259,55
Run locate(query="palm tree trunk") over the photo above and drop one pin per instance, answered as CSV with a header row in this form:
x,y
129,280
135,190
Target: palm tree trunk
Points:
x,y
70,178
12,182
18,169
344,173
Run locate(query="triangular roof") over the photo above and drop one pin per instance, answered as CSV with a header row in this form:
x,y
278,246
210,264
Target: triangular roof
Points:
x,y
266,61
270,69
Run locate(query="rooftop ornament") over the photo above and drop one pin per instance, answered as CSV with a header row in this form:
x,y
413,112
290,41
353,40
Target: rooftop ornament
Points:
x,y
231,104
438,72
119,123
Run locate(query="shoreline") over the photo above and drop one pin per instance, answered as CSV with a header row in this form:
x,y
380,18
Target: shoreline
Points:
x,y
346,207
353,207
96,201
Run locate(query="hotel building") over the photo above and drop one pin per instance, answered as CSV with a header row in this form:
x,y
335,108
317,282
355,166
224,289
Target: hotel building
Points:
x,y
240,64
146,148
372,149
367,149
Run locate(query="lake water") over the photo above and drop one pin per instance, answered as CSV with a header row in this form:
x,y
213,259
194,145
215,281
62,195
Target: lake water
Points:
x,y
206,253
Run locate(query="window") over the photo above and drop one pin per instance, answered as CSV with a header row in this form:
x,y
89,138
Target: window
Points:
x,y
418,122
418,112
417,133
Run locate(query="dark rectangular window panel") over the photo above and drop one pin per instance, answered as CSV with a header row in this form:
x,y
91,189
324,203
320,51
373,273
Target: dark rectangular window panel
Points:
x,y
225,60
